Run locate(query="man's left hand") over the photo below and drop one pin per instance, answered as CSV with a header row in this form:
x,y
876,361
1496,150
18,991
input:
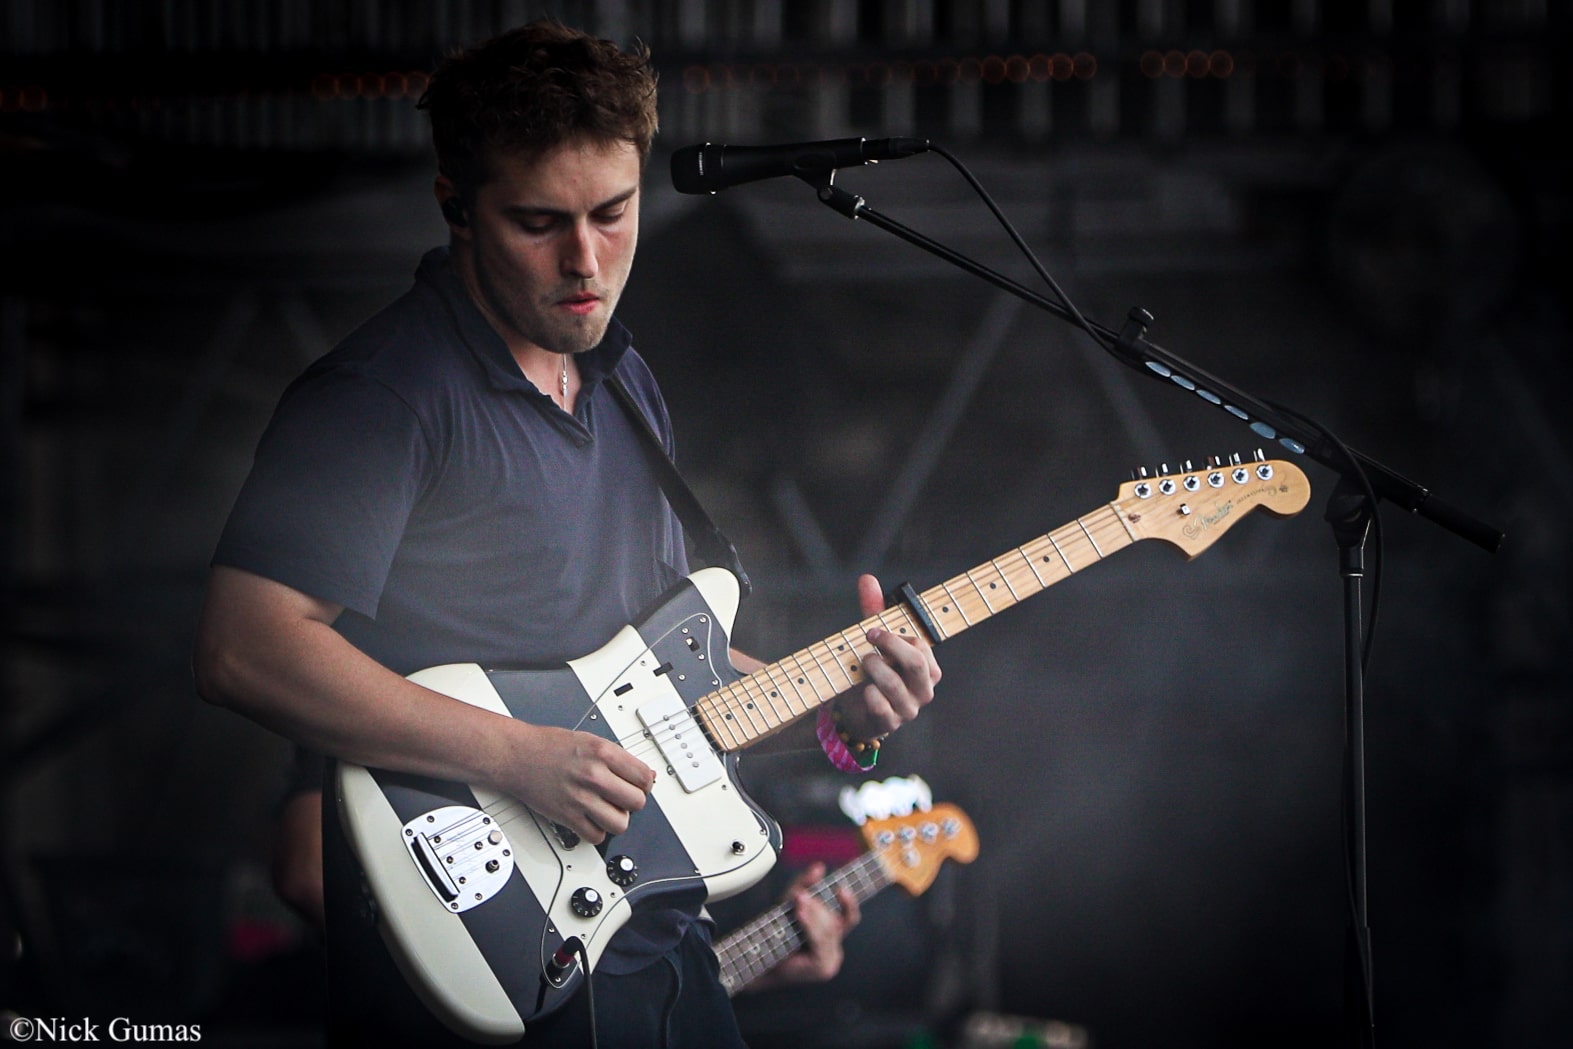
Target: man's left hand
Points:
x,y
899,676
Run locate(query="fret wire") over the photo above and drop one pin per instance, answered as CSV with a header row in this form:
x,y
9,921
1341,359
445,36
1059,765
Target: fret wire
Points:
x,y
1090,539
793,680
808,665
1057,550
749,708
939,606
741,715
777,705
1072,538
1032,563
855,673
924,624
956,604
1111,525
714,710
1015,597
783,689
905,624
758,698
1030,576
1115,510
1011,573
869,883
716,721
984,597
833,688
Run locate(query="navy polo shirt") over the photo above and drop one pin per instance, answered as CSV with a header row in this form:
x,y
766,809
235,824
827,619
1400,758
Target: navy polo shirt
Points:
x,y
416,477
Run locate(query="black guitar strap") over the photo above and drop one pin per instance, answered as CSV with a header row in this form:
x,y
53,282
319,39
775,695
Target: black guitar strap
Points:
x,y
712,545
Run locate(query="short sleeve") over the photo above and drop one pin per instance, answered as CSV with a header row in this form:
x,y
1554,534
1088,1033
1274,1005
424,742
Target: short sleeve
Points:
x,y
336,474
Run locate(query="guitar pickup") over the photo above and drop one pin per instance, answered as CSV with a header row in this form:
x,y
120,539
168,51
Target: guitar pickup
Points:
x,y
671,726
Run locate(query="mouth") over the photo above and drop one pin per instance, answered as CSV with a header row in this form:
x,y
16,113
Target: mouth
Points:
x,y
580,304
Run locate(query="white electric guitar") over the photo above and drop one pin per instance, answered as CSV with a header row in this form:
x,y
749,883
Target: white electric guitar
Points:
x,y
494,913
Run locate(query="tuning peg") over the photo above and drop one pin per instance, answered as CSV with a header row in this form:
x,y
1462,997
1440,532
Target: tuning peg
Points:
x,y
1139,474
1188,467
1261,456
1163,470
1213,462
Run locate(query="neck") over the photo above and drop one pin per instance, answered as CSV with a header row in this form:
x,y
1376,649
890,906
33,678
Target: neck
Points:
x,y
544,368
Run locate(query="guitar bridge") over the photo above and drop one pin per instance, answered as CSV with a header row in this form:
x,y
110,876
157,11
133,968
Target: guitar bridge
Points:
x,y
463,854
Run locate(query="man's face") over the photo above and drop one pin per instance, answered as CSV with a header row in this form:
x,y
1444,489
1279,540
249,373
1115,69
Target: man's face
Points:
x,y
551,243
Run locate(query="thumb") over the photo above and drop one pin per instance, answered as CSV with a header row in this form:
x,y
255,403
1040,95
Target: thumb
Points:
x,y
871,598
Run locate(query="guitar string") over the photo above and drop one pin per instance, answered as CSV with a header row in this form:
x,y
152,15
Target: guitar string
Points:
x,y
1107,519
733,698
781,928
784,937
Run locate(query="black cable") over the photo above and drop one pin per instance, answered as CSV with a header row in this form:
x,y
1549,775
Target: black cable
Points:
x,y
1021,244
1356,471
589,986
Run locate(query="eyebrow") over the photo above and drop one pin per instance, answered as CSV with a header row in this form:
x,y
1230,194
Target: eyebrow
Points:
x,y
532,210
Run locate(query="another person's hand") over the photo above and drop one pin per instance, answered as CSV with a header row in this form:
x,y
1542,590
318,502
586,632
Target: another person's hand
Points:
x,y
823,930
297,856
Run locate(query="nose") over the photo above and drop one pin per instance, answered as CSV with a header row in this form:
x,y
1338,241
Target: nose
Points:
x,y
578,252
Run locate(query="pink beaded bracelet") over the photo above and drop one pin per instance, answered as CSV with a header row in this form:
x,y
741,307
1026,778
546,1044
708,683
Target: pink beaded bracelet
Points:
x,y
834,743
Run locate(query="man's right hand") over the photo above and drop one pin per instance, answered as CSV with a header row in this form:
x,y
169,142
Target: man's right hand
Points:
x,y
584,782
270,652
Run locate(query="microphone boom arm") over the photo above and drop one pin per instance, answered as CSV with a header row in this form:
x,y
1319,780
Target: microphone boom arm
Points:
x,y
1131,347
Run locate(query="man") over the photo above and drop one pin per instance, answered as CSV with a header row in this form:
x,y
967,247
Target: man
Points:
x,y
456,483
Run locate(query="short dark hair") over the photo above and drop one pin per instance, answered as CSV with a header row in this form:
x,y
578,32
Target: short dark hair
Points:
x,y
531,89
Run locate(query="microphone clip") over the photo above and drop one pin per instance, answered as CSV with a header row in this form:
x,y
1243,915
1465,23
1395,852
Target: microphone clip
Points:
x,y
824,183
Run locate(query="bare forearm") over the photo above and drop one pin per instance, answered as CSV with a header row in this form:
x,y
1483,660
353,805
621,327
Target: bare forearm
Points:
x,y
270,652
293,673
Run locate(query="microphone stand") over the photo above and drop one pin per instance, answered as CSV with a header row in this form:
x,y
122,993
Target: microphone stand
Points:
x,y
1350,513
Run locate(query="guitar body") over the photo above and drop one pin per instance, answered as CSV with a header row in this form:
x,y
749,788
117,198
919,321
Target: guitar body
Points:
x,y
495,914
477,895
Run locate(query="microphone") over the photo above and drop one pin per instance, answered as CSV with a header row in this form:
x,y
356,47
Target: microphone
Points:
x,y
711,168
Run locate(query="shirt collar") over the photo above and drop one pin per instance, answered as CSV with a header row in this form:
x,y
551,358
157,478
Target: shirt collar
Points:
x,y
436,270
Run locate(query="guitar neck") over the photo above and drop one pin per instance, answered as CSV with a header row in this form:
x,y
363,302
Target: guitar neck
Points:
x,y
754,949
767,700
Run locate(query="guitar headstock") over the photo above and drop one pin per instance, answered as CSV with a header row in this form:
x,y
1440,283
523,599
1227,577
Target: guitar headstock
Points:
x,y
912,847
1192,508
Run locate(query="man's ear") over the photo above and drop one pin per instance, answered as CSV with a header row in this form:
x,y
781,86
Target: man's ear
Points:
x,y
449,201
